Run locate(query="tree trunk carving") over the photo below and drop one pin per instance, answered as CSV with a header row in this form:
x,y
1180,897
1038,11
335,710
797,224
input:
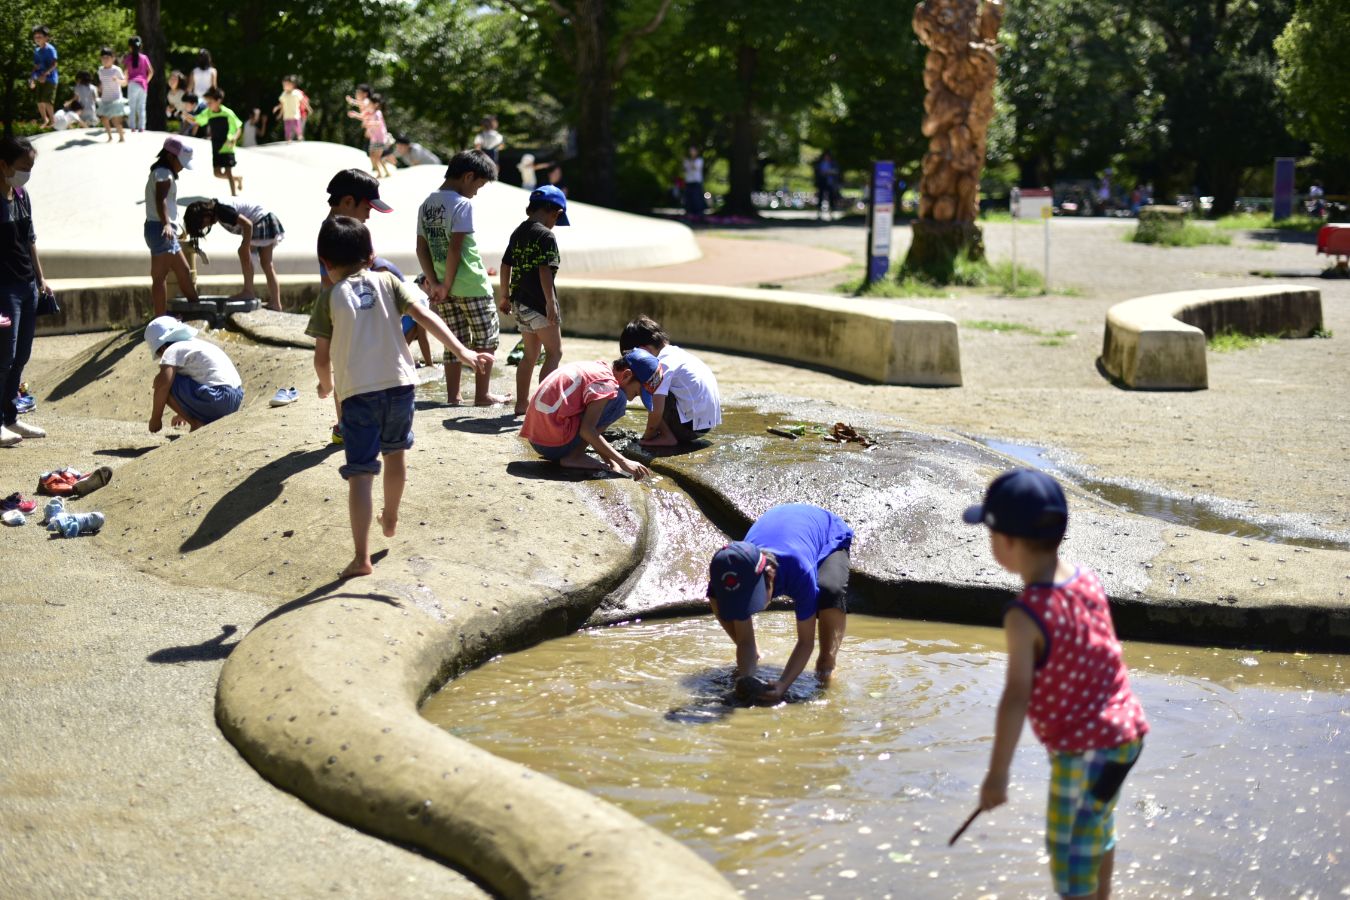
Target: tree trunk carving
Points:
x,y
962,65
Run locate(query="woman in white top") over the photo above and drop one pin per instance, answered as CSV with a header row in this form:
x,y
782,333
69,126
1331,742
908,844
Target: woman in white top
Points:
x,y
259,231
688,404
161,224
694,204
204,76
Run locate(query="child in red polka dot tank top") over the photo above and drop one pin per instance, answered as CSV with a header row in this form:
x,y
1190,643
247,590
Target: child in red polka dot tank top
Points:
x,y
1066,674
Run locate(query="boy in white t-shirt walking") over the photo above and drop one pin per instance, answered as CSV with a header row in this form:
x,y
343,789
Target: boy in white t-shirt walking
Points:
x,y
688,403
360,350
196,378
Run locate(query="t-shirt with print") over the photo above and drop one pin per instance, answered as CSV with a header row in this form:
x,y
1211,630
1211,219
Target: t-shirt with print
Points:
x,y
694,387
16,239
362,316
553,417
800,536
157,175
441,215
202,361
1080,692
532,245
110,83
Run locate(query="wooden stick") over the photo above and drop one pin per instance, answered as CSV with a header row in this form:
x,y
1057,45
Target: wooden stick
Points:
x,y
964,825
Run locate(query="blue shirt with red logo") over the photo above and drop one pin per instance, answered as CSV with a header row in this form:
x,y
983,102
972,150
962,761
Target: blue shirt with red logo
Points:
x,y
800,536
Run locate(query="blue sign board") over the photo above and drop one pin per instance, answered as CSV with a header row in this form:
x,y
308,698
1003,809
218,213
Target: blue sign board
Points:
x,y
881,218
1284,187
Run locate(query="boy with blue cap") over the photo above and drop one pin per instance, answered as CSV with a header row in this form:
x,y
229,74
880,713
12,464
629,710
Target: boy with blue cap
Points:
x,y
570,410
794,550
529,290
1064,672
196,379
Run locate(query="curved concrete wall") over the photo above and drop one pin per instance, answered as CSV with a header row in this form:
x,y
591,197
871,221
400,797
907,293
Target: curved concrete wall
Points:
x,y
880,342
1158,342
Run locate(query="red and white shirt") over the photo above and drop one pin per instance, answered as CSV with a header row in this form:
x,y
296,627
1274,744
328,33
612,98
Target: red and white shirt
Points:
x,y
553,417
1080,694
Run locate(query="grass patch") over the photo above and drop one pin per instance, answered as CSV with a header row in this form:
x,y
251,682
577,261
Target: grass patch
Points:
x,y
1266,222
1229,341
1264,245
1188,235
1004,217
965,273
890,289
1054,338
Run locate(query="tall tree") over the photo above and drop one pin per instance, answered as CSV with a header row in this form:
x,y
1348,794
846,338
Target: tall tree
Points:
x,y
596,39
154,46
1312,78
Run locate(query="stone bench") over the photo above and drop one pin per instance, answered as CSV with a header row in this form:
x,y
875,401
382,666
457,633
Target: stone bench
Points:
x,y
1158,342
880,342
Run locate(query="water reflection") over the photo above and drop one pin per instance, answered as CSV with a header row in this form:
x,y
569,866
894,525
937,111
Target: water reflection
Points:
x,y
853,791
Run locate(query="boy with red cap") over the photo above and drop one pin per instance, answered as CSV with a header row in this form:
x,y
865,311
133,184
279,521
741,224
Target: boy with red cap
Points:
x,y
795,550
1064,672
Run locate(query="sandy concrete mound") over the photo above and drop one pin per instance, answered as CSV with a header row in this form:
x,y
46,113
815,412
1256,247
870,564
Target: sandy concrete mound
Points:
x,y
89,208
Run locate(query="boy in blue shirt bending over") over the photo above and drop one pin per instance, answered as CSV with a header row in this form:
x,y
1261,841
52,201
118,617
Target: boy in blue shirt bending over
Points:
x,y
795,550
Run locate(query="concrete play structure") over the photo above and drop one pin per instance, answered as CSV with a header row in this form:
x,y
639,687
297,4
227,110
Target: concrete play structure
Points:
x,y
1158,342
89,203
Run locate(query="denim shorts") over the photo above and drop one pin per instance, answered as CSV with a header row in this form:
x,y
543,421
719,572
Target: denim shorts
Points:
x,y
373,424
155,240
613,412
530,320
205,402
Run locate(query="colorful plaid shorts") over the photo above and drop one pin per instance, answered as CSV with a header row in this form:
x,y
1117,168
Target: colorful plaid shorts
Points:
x,y
471,319
1080,823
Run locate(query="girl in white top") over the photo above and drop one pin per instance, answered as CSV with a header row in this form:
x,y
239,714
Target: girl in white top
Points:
x,y
161,224
259,231
688,404
111,105
204,76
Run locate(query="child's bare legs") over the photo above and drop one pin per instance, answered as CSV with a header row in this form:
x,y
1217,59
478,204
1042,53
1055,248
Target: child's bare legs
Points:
x,y
360,510
453,369
395,477
831,624
180,417
270,273
107,127
481,382
525,369
424,344
1104,872
376,163
161,264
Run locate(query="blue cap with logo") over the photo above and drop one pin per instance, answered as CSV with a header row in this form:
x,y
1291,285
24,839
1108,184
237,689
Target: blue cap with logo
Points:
x,y
551,194
736,581
1023,503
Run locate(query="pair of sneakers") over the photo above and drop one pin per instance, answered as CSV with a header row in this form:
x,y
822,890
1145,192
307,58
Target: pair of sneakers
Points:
x,y
71,525
13,434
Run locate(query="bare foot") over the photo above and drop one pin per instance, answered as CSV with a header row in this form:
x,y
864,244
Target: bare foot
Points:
x,y
520,411
239,182
453,401
178,421
356,568
388,523
583,460
823,676
491,400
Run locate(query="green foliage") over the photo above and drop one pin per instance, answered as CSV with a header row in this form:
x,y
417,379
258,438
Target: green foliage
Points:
x,y
79,28
1188,235
1266,222
1312,74
1228,341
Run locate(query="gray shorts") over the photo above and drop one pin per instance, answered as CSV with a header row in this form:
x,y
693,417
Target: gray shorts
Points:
x,y
530,320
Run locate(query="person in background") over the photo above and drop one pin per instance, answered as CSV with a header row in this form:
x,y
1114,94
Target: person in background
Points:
x,y
377,134
190,106
174,96
529,169
204,76
694,204
288,107
21,281
87,94
139,72
413,154
68,115
44,78
489,139
223,127
161,224
254,125
111,105
259,230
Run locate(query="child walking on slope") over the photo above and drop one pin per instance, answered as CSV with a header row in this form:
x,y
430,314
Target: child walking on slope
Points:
x,y
359,350
223,127
1065,672
456,279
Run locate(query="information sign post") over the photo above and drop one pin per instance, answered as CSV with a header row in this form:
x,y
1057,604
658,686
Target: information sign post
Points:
x,y
880,219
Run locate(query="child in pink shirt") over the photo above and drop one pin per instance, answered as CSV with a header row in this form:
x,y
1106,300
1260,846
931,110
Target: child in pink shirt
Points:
x,y
139,71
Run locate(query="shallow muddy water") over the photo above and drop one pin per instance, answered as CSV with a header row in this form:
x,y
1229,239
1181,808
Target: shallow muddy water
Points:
x,y
852,791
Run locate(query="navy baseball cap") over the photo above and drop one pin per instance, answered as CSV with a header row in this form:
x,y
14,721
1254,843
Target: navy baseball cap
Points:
x,y
355,183
550,194
736,581
1023,503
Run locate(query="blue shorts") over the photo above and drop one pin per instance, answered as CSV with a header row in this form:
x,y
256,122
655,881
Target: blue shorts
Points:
x,y
613,412
408,325
205,402
155,240
373,424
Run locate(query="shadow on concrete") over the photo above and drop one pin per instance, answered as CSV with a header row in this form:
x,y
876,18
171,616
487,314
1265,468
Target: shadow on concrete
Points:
x,y
321,593
113,351
500,424
207,651
125,452
260,489
1281,236
544,470
78,142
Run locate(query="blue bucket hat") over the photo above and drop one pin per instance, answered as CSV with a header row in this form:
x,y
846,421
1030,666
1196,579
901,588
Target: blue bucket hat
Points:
x,y
550,194
1023,503
736,581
